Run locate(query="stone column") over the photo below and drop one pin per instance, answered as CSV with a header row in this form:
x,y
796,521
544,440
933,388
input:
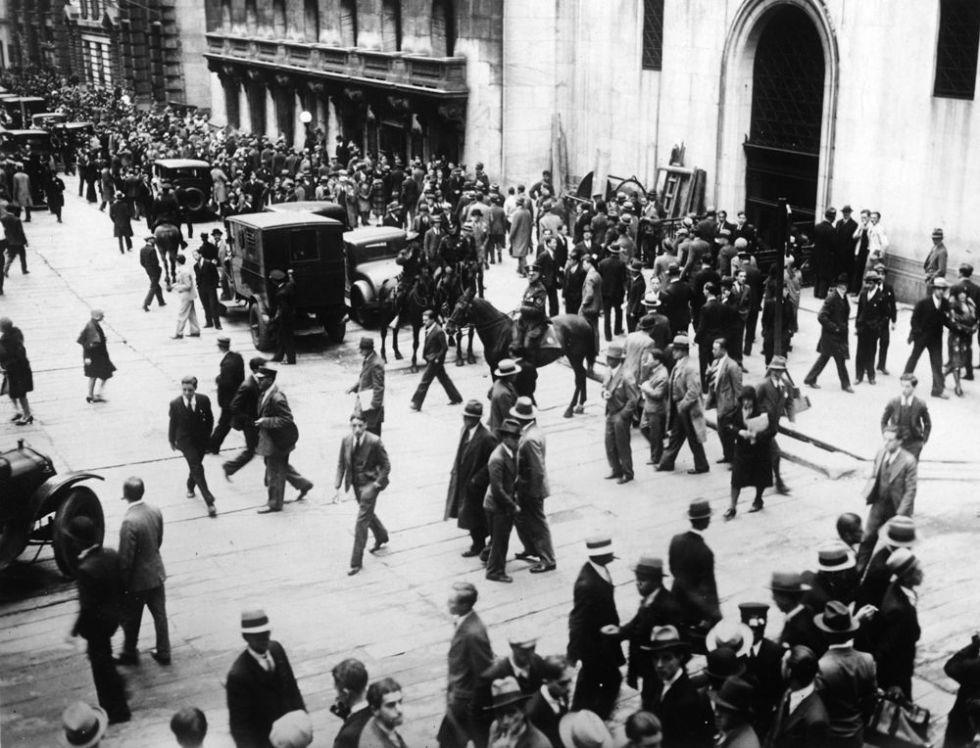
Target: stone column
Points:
x,y
417,27
271,120
244,113
219,105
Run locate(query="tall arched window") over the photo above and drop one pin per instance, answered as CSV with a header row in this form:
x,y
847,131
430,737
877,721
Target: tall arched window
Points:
x,y
348,22
311,19
391,26
443,28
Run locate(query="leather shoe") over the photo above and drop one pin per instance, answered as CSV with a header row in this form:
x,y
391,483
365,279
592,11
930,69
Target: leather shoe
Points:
x,y
757,506
942,396
127,658
812,385
663,469
161,659
212,512
782,488
614,476
722,461
848,389
542,568
414,407
190,494
353,570
302,494
883,370
267,510
471,552
624,479
526,556
378,545
697,471
499,578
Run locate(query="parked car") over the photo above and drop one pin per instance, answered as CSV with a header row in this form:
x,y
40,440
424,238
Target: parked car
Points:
x,y
316,207
18,110
15,142
190,179
48,120
308,247
371,253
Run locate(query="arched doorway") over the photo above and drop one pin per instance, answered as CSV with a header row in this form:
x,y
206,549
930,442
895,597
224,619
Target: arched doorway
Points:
x,y
778,110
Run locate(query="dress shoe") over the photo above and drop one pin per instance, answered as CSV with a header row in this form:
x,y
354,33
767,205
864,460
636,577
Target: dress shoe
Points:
x,y
722,461
267,510
378,545
471,552
176,337
127,658
212,512
526,556
663,468
624,479
499,578
871,380
858,381
757,506
161,659
848,389
782,488
30,419
194,335
415,407
190,494
542,568
883,370
941,396
146,309
485,556
614,476
729,513
353,570
302,494
812,385
456,401
697,471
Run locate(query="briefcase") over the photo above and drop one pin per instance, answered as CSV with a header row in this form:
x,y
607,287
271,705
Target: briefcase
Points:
x,y
898,723
798,402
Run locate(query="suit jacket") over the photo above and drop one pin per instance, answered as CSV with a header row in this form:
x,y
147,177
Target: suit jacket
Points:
x,y
774,401
684,396
675,305
257,698
532,472
622,393
800,629
436,345
372,736
716,320
541,715
191,429
277,421
895,484
635,292
897,631
469,478
913,422
833,318
663,610
807,726
964,668
594,606
245,404
613,272
872,314
591,293
742,736
928,321
502,397
764,671
140,537
692,565
685,715
502,474
825,244
231,373
349,734
846,683
470,655
150,261
100,594
726,385
370,465
185,286
372,377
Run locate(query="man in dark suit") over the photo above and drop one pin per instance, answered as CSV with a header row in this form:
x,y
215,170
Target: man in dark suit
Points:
x,y
929,317
469,478
550,272
775,400
371,380
350,680
277,438
964,668
500,502
898,532
244,410
910,416
692,564
872,316
150,262
707,274
801,719
798,628
653,323
532,489
231,374
658,607
100,603
717,320
285,315
844,242
685,715
891,312
763,667
889,490
621,393
675,302
613,272
550,702
470,655
833,319
191,421
140,537
206,275
601,656
363,464
825,246
635,291
260,686
502,394
434,352
897,624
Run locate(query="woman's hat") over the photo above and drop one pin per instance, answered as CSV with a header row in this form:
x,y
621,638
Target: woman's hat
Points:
x,y
84,725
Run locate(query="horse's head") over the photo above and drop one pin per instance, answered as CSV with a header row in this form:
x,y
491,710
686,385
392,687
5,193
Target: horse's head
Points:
x,y
461,312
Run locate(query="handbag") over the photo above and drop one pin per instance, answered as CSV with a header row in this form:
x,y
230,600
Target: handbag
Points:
x,y
797,401
898,723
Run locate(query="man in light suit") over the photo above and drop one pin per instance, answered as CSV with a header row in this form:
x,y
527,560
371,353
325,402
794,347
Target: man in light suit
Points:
x,y
363,464
469,478
724,385
890,490
277,438
470,655
186,293
434,352
140,537
191,421
532,489
910,416
500,502
685,418
231,373
621,393
371,379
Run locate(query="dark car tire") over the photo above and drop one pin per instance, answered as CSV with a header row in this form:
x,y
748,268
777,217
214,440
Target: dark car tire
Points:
x,y
263,335
78,501
194,199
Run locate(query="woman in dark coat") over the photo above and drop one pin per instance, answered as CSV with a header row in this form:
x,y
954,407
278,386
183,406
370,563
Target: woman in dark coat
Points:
x,y
16,370
95,356
752,465
121,213
963,324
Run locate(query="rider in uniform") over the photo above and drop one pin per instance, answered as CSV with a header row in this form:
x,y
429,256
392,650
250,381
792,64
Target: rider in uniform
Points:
x,y
533,321
166,209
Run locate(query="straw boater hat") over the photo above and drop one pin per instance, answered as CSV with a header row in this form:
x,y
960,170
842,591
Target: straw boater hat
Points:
x,y
255,621
584,729
83,725
900,532
507,367
837,557
600,545
665,638
732,634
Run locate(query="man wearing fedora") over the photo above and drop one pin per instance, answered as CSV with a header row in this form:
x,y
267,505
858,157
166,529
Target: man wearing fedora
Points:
x,y
500,502
260,686
511,725
763,666
469,478
801,719
692,564
898,532
929,316
934,265
685,417
370,382
872,315
635,291
502,394
833,344
636,348
231,374
284,316
532,489
676,299
658,607
774,398
594,607
150,262
788,590
613,272
685,715
889,491
101,586
896,624
846,680
733,714
621,393
277,438
469,657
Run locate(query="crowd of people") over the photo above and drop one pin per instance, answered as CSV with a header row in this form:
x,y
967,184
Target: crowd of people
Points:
x,y
850,627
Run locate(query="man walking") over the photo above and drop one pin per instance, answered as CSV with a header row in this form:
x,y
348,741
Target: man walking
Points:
x,y
692,564
532,489
285,316
363,464
244,410
929,317
370,387
434,352
724,387
140,537
231,374
500,502
685,419
150,262
277,438
910,416
833,343
621,393
191,421
872,316
890,490
774,399
186,293
613,272
502,394
469,478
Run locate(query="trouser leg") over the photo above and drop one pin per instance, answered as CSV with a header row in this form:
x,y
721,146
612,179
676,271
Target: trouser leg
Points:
x,y
275,478
936,362
537,527
697,448
447,385
237,463
726,435
607,320
427,376
501,524
156,602
621,435
818,367
132,620
108,682
845,379
196,476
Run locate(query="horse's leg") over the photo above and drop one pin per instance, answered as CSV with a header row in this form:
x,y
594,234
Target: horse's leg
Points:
x,y
579,374
415,345
470,358
384,339
459,347
396,323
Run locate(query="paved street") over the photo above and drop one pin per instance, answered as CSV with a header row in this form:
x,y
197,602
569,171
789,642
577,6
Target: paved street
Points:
x,y
393,615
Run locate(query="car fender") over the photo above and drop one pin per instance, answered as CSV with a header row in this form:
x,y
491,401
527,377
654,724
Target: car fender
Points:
x,y
42,501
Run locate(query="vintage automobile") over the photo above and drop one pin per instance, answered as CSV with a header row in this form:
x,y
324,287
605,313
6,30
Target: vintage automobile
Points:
x,y
37,505
190,179
371,254
308,247
15,142
316,207
48,120
19,109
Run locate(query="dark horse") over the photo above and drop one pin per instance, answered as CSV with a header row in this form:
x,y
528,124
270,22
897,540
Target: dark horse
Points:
x,y
404,308
168,242
449,290
495,331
